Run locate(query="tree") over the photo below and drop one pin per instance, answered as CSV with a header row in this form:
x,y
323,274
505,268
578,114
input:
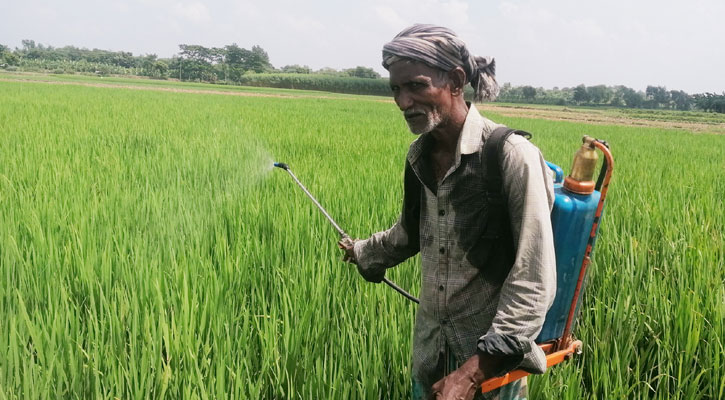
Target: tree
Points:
x,y
362,72
528,92
710,102
681,100
580,94
296,69
630,97
258,60
196,63
7,57
599,94
146,63
234,60
159,70
28,44
658,96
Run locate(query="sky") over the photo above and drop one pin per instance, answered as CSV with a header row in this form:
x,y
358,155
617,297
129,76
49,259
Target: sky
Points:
x,y
554,43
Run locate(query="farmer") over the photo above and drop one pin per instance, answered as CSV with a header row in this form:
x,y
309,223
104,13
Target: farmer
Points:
x,y
488,270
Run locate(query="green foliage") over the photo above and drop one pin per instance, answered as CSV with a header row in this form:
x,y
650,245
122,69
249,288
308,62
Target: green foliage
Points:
x,y
296,69
654,97
362,72
326,83
711,102
148,250
581,94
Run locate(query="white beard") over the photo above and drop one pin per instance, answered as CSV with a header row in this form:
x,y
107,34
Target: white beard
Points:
x,y
433,119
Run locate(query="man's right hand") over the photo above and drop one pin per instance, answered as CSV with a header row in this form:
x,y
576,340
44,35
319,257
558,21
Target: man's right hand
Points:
x,y
348,246
373,274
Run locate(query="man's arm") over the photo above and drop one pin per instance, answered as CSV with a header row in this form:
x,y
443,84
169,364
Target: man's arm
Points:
x,y
530,287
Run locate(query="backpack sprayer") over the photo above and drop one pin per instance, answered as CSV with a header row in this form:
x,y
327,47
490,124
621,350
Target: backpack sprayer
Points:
x,y
339,230
575,221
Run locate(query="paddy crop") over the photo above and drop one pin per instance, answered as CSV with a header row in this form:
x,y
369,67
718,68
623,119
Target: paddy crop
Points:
x,y
148,250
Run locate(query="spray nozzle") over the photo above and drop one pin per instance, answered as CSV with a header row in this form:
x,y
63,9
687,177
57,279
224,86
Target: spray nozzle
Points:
x,y
281,165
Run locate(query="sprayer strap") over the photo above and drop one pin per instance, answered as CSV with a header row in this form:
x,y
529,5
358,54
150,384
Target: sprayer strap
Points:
x,y
492,154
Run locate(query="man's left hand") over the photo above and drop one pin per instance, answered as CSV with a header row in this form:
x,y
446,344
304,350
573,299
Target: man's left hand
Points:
x,y
462,383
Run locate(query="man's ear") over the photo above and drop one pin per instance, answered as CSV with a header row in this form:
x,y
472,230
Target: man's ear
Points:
x,y
457,79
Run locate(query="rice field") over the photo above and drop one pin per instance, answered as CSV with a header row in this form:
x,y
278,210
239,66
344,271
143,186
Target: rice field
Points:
x,y
149,250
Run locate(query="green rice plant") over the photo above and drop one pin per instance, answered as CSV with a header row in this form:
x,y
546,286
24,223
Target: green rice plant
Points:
x,y
148,250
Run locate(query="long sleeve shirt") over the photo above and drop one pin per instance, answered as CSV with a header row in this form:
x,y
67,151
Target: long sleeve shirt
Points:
x,y
467,299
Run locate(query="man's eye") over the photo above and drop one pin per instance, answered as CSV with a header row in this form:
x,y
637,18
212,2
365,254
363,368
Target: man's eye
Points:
x,y
416,85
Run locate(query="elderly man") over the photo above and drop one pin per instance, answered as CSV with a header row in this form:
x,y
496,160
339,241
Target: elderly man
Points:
x,y
488,268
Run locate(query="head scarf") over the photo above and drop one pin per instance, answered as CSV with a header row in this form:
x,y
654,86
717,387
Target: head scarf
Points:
x,y
441,48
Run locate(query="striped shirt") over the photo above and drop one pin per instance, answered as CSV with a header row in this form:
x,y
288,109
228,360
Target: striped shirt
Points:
x,y
467,301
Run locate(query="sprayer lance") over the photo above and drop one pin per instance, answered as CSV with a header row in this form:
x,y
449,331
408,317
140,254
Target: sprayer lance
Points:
x,y
339,230
314,200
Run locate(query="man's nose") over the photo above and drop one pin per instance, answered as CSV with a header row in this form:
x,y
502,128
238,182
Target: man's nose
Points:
x,y
403,100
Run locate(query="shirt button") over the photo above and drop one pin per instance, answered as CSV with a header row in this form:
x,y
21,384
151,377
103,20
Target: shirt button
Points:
x,y
442,250
441,212
441,287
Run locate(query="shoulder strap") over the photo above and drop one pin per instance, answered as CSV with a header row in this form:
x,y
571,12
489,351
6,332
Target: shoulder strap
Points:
x,y
492,150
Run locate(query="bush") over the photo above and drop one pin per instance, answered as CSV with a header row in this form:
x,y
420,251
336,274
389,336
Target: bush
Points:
x,y
327,83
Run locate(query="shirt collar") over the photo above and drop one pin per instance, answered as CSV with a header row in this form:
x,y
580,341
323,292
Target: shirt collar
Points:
x,y
470,139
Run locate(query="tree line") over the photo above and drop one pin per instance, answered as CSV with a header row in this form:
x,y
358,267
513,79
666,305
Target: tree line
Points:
x,y
192,63
654,97
232,64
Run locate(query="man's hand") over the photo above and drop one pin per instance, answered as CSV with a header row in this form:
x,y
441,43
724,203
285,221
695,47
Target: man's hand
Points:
x,y
462,383
373,274
348,246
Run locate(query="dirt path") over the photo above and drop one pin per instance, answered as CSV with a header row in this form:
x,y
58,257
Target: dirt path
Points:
x,y
584,116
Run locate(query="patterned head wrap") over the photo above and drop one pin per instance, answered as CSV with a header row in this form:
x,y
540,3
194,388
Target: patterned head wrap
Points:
x,y
439,47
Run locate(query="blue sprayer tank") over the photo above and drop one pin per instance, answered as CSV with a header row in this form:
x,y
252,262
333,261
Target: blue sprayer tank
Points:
x,y
572,218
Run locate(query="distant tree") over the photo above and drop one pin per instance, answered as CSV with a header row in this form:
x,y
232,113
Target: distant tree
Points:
x,y
528,92
599,94
681,100
159,70
328,71
658,96
362,72
296,69
234,59
710,102
258,60
146,63
28,44
580,94
196,63
7,57
630,97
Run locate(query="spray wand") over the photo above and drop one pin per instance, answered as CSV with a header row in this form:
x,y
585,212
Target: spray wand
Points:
x,y
339,230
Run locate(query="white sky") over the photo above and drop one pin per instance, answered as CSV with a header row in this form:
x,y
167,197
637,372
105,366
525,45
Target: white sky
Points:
x,y
677,44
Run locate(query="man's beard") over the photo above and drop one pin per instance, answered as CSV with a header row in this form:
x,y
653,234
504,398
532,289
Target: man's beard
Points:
x,y
425,122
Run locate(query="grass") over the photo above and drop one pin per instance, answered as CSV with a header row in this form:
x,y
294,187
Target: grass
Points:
x,y
148,250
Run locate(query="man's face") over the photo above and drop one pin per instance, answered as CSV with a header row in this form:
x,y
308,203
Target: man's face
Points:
x,y
422,93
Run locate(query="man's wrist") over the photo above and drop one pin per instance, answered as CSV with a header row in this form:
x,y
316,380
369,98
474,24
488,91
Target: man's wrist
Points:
x,y
489,365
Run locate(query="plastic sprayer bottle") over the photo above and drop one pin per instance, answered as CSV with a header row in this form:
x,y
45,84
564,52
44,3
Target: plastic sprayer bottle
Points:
x,y
572,220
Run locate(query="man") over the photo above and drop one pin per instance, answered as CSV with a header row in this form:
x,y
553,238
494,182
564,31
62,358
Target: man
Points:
x,y
488,269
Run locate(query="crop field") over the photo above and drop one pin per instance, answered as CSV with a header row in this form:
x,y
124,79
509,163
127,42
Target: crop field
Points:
x,y
148,249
